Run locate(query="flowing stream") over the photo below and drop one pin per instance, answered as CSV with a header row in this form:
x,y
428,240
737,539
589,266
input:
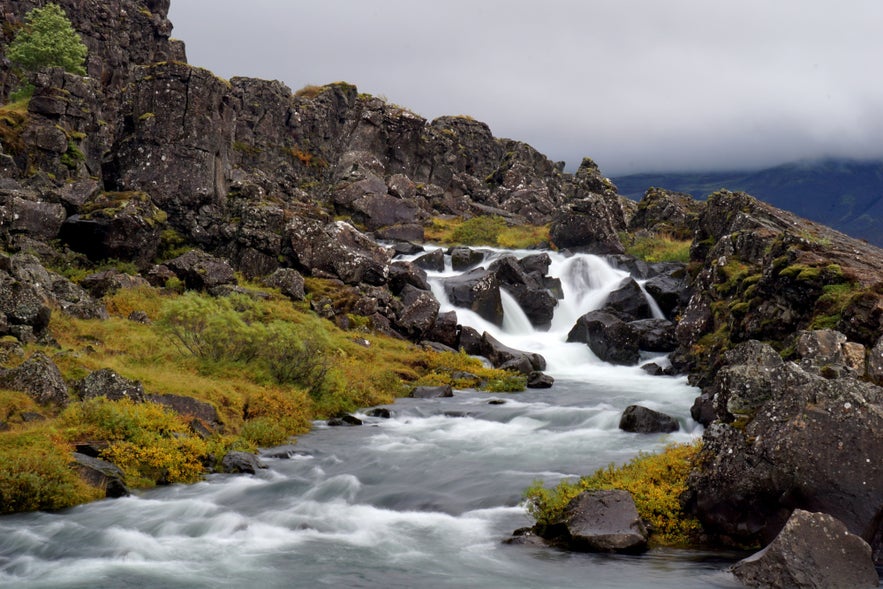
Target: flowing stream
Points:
x,y
422,499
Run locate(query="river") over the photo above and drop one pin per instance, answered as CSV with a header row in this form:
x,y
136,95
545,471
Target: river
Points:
x,y
422,499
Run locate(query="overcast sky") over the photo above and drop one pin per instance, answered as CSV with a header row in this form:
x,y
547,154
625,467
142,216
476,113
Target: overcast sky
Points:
x,y
637,85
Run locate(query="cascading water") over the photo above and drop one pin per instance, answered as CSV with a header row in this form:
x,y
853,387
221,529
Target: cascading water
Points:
x,y
422,499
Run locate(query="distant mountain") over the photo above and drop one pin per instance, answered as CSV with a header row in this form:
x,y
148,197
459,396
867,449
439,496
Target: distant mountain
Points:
x,y
846,195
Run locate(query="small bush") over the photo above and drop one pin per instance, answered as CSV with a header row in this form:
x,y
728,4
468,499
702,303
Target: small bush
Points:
x,y
47,40
35,473
655,481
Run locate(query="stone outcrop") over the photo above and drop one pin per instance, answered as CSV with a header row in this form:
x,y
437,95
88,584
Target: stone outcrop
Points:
x,y
39,377
783,438
813,551
609,338
477,290
107,383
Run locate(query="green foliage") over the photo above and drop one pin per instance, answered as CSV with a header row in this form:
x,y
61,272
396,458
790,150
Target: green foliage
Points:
x,y
35,473
48,40
149,442
655,481
657,247
486,230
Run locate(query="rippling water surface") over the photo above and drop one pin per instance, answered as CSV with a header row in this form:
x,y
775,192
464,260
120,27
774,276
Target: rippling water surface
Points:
x,y
422,499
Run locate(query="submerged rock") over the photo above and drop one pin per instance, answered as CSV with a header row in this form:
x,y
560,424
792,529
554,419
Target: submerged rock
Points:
x,y
478,290
639,419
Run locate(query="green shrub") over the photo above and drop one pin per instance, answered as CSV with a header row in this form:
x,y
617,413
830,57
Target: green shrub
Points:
x,y
655,481
36,473
479,231
48,40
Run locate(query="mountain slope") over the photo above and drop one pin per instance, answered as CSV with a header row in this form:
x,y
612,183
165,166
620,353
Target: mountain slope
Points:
x,y
843,194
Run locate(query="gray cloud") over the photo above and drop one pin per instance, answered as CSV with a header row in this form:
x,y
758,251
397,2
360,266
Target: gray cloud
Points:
x,y
637,85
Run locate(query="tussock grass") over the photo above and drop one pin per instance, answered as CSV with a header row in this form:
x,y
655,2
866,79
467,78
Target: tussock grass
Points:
x,y
657,248
486,230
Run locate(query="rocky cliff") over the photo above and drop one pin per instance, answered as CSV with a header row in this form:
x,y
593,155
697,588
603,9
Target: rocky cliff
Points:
x,y
148,153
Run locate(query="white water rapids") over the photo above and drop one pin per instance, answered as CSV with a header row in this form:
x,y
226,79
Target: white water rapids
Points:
x,y
423,499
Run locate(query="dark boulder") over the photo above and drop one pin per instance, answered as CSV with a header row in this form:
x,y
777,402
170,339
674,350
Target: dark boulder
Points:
x,y
107,383
236,462
478,290
589,224
431,392
628,301
434,260
406,248
469,341
639,419
666,212
406,273
381,412
539,380
39,378
22,305
808,442
383,210
38,219
669,293
420,309
463,258
875,362
500,355
609,338
338,250
528,290
289,282
101,475
201,271
536,264
345,420
604,521
655,335
445,330
813,551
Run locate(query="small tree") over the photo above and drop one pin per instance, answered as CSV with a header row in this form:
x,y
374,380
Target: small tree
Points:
x,y
47,40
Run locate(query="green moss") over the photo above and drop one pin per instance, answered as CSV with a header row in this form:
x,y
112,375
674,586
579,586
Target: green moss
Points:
x,y
147,116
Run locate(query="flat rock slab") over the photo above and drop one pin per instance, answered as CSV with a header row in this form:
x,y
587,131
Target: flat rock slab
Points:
x,y
813,551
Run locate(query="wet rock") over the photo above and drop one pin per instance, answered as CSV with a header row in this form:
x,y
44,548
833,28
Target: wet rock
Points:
x,y
463,258
431,392
628,302
201,271
536,264
639,419
381,412
406,248
539,380
604,521
241,462
470,341
813,551
107,383
500,355
653,369
669,293
289,282
497,402
531,294
39,378
434,260
609,338
101,474
344,420
407,273
444,330
655,335
478,290
419,312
